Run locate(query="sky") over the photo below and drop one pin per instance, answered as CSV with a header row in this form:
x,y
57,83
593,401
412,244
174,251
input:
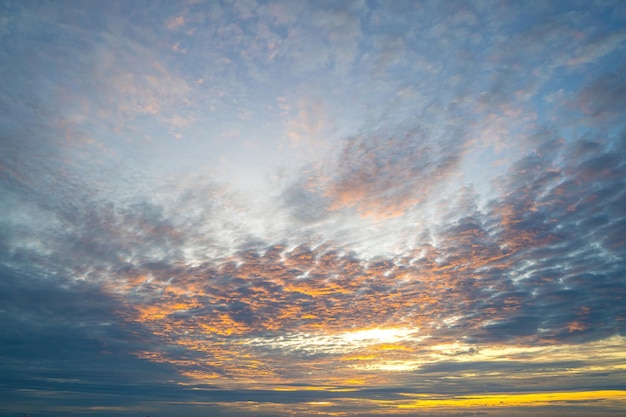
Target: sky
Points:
x,y
313,208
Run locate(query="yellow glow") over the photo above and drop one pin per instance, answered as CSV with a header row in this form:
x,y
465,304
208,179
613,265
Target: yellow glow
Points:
x,y
390,366
314,388
359,358
386,346
512,400
343,390
342,342
381,335
304,388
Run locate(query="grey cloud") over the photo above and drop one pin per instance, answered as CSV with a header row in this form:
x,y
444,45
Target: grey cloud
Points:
x,y
604,98
597,48
484,278
62,336
381,175
559,249
306,205
517,326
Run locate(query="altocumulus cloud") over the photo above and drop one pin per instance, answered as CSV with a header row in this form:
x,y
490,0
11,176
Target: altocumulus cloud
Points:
x,y
260,208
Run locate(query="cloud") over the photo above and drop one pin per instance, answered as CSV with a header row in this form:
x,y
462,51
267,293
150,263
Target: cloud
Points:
x,y
379,264
392,172
306,203
499,268
320,36
540,222
384,176
509,274
175,22
602,99
60,335
590,52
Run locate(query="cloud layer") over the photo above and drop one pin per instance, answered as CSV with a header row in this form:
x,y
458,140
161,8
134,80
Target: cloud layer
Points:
x,y
267,208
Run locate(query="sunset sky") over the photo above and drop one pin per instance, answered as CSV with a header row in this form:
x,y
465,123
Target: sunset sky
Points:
x,y
313,208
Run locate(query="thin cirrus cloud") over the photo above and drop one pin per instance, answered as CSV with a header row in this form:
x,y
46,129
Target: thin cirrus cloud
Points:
x,y
265,208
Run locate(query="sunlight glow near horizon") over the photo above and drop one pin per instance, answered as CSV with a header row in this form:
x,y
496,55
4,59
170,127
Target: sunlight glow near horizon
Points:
x,y
341,342
516,400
